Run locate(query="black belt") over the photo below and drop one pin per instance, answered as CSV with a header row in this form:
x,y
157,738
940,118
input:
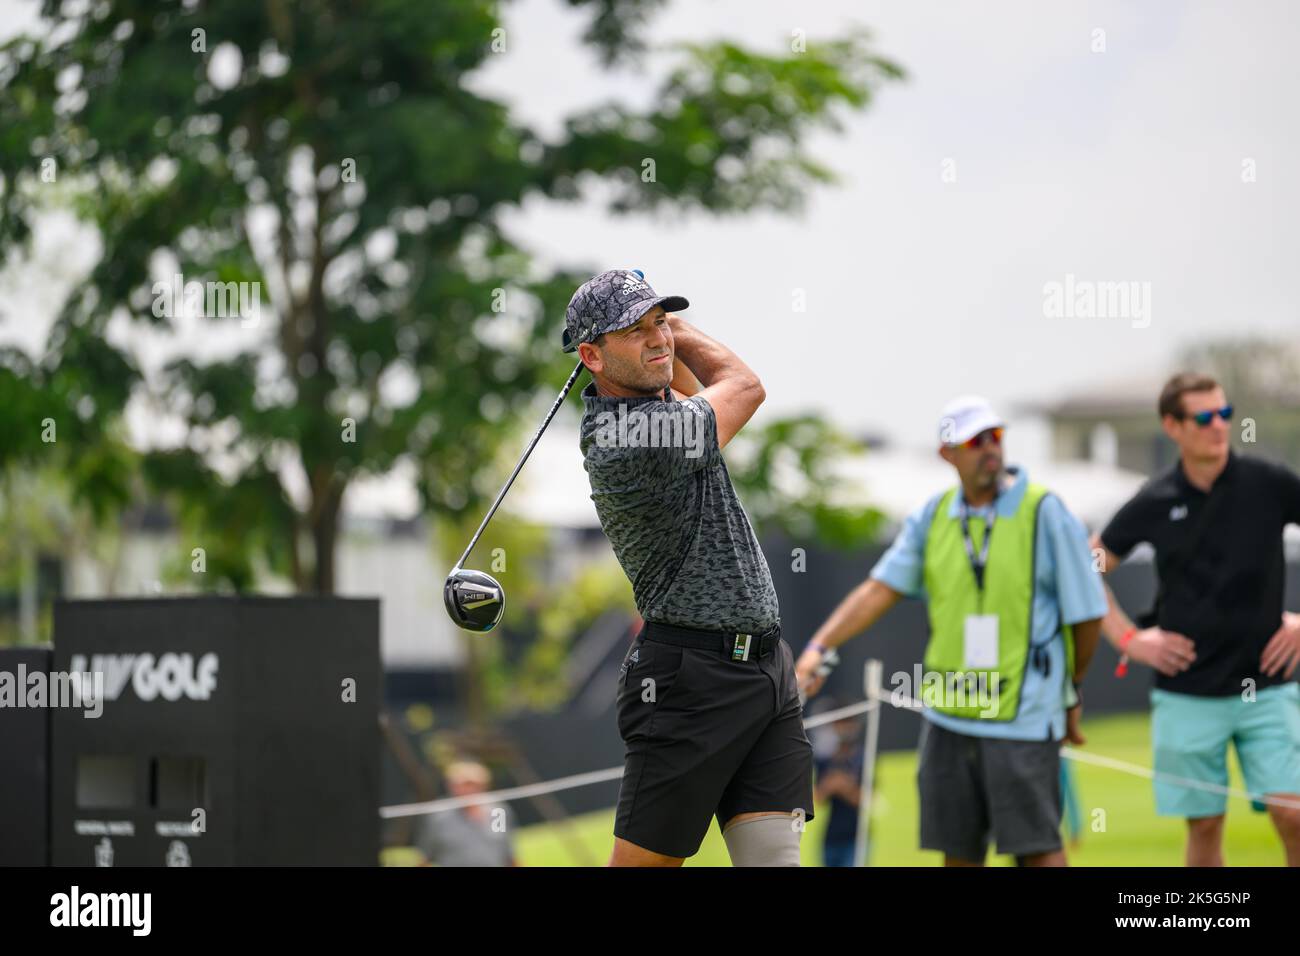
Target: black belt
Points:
x,y
736,647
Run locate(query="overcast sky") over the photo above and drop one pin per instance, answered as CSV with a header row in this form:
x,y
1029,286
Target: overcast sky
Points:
x,y
1117,166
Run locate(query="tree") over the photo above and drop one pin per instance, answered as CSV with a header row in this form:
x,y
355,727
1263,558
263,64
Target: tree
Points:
x,y
787,479
328,172
63,479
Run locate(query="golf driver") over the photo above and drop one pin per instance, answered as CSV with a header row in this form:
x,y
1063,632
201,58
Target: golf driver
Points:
x,y
474,599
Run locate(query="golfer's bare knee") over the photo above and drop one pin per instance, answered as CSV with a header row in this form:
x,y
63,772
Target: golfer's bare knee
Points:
x,y
1054,858
629,854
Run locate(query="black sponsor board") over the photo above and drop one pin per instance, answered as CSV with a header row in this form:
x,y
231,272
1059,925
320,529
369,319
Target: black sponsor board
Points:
x,y
233,731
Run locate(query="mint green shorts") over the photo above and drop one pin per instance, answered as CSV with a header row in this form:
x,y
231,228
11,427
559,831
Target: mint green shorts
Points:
x,y
1190,737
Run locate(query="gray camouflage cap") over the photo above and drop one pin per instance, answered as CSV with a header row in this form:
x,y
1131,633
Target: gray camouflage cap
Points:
x,y
611,301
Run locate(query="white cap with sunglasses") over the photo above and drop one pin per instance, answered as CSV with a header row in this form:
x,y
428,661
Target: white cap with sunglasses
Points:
x,y
964,418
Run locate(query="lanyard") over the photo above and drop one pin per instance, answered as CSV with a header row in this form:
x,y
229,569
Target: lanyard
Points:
x,y
977,564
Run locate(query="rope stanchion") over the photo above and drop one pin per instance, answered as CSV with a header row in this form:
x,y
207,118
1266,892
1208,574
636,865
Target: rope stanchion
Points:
x,y
872,673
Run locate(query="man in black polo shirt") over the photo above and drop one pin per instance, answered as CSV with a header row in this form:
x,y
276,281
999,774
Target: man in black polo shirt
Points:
x,y
707,701
1224,648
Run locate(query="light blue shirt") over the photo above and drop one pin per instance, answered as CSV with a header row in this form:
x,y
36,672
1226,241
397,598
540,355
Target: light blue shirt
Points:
x,y
1066,590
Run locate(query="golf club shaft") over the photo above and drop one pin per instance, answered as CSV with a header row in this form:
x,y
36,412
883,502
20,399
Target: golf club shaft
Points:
x,y
564,392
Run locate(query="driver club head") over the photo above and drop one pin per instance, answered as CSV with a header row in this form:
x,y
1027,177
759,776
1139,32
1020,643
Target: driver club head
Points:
x,y
474,600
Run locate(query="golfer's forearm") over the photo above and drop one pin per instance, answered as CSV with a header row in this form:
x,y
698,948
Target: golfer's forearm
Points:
x,y
709,360
864,606
1087,635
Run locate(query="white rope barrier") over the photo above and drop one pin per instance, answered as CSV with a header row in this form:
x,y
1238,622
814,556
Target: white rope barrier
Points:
x,y
897,699
567,783
876,694
503,796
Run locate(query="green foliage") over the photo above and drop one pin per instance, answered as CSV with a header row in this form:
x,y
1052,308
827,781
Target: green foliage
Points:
x,y
41,515
726,133
259,523
51,418
785,474
571,608
66,473
615,27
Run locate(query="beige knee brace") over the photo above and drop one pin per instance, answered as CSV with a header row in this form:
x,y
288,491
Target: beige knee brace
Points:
x,y
764,841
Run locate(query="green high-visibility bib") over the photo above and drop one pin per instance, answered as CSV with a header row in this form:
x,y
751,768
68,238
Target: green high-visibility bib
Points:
x,y
951,687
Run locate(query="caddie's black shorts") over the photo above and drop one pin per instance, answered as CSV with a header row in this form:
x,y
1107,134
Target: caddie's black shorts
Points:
x,y
707,736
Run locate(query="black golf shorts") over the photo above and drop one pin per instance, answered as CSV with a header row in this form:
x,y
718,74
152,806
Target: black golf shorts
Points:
x,y
707,736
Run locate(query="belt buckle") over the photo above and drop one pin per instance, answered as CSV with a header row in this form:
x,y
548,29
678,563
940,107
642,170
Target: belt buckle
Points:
x,y
740,649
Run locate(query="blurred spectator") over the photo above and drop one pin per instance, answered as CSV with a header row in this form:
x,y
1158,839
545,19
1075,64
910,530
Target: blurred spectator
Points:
x,y
477,835
839,781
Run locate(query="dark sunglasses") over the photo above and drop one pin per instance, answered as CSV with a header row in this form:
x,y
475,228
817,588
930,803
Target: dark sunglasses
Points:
x,y
1204,418
995,434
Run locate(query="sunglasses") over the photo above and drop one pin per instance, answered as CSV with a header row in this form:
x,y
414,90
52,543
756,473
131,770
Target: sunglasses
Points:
x,y
993,434
1204,418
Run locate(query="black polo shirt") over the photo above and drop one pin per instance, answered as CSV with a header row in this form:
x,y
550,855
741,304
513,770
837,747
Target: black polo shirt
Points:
x,y
1226,593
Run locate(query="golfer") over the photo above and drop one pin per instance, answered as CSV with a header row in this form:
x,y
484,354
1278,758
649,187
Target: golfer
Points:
x,y
1015,609
1224,648
707,702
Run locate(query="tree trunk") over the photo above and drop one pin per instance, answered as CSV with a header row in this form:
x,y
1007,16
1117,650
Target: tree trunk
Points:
x,y
324,535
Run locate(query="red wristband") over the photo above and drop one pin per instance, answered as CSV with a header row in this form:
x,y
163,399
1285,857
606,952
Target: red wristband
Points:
x,y
1122,667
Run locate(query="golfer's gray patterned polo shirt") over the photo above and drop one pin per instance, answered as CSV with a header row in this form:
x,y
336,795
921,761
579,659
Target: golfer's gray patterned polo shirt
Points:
x,y
665,500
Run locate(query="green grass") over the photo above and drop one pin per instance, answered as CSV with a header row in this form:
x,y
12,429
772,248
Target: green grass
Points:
x,y
1120,824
